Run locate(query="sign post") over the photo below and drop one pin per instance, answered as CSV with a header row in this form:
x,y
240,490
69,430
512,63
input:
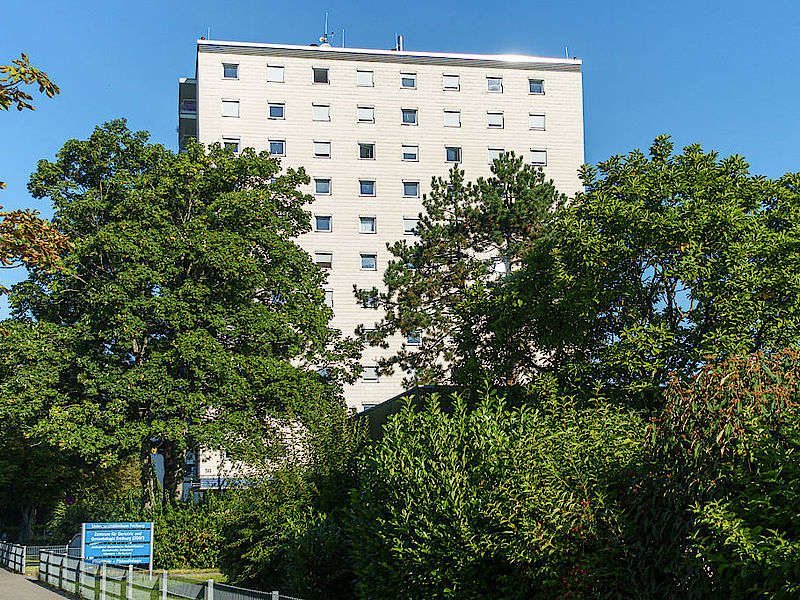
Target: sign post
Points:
x,y
118,543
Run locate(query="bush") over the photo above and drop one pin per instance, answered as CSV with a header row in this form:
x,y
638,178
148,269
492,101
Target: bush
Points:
x,y
187,535
490,501
289,531
732,436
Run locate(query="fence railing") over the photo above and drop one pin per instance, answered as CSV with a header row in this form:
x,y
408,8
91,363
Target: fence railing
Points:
x,y
12,557
113,582
32,552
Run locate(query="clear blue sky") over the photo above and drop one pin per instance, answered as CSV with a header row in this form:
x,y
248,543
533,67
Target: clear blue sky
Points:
x,y
723,74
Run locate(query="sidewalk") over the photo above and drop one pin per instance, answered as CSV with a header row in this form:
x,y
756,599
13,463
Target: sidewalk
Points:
x,y
18,587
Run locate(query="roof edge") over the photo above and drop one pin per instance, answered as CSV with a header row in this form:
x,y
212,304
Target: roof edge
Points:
x,y
502,58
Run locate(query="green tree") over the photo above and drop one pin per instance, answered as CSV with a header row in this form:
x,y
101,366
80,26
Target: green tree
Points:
x,y
662,262
469,235
186,313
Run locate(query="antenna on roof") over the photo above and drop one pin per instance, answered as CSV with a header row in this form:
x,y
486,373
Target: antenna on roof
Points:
x,y
566,51
326,34
342,37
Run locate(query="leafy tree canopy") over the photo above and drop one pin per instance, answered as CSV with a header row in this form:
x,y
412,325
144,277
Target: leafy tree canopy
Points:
x,y
184,314
664,261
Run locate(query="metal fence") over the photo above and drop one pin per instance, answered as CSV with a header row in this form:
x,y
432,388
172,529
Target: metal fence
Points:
x,y
12,557
112,582
32,552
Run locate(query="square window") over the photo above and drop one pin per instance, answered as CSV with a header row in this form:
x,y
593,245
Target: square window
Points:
x,y
321,75
329,298
275,73
366,114
453,154
366,225
408,80
369,262
452,118
322,149
495,120
277,147
494,154
536,121
323,223
188,106
536,86
410,152
321,112
494,84
411,189
322,186
323,259
231,144
276,110
370,301
539,157
451,82
230,71
365,78
409,116
414,338
369,373
410,225
230,108
366,150
366,187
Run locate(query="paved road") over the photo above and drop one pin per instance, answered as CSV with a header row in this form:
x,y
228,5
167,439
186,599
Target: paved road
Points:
x,y
17,587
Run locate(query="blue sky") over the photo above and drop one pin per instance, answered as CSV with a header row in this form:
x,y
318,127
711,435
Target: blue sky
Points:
x,y
723,74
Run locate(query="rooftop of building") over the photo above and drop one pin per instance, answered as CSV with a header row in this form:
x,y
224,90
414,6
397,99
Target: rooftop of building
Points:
x,y
376,54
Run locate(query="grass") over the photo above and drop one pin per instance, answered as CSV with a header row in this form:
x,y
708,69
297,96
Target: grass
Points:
x,y
200,574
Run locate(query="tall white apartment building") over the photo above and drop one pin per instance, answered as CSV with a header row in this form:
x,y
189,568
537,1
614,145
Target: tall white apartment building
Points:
x,y
372,127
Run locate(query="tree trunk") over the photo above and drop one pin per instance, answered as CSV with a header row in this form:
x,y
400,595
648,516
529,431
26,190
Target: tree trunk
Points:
x,y
174,464
147,477
27,514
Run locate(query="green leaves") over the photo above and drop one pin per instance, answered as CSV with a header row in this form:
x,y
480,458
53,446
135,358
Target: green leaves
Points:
x,y
441,285
728,439
21,72
484,500
662,261
187,312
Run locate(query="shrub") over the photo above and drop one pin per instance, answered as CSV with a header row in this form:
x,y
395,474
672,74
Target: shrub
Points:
x,y
288,532
732,435
490,501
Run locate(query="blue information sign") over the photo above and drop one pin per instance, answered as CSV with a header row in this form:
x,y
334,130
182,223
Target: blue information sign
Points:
x,y
118,543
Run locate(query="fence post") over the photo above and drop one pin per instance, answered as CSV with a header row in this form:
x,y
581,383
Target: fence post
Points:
x,y
210,589
164,579
130,582
276,595
103,581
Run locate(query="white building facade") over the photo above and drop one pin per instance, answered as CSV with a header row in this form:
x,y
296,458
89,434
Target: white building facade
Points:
x,y
371,128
